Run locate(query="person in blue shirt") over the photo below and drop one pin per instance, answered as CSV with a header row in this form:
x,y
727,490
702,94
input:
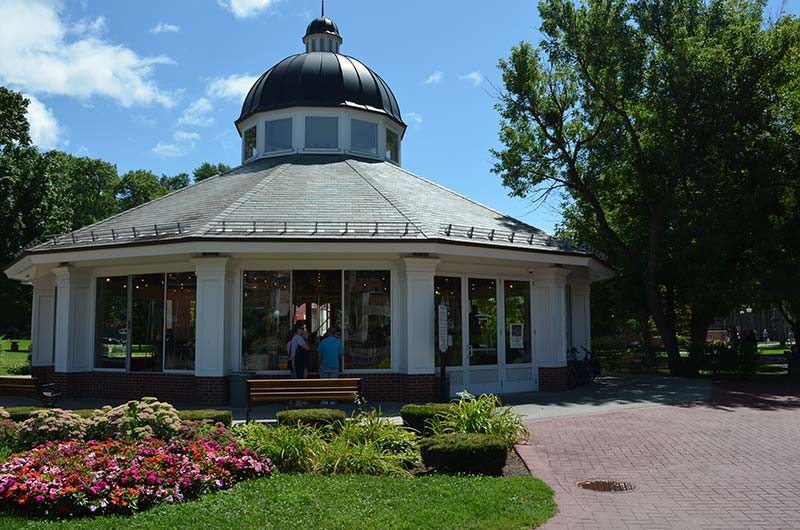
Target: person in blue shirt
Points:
x,y
331,352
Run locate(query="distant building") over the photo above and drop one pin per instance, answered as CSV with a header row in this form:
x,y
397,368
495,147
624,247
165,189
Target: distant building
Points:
x,y
320,223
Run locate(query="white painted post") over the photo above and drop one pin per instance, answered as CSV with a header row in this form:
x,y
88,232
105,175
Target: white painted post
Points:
x,y
549,317
419,314
74,347
210,320
43,320
581,319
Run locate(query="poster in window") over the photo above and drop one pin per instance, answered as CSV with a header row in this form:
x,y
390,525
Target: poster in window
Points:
x,y
443,336
515,331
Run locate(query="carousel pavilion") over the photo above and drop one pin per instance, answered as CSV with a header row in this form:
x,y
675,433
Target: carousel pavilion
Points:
x,y
319,223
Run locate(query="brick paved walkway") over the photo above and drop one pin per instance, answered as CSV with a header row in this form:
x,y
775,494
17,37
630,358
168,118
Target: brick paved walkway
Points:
x,y
731,463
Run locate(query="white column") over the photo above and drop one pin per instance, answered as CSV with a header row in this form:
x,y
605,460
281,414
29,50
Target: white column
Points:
x,y
581,319
43,320
419,315
549,317
74,346
210,318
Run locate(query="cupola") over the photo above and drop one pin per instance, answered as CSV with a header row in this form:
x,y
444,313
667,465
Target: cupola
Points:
x,y
321,101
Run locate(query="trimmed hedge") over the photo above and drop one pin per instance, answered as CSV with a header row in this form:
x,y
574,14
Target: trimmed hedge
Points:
x,y
216,416
471,453
311,417
418,417
20,414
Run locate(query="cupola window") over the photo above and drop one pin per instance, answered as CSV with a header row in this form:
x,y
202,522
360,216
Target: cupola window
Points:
x,y
392,146
322,133
249,145
364,136
278,135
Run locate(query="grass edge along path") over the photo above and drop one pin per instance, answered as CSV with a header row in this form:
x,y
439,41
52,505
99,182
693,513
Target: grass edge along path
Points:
x,y
354,502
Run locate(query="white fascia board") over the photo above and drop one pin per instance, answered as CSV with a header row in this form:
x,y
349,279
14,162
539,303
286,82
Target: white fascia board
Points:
x,y
22,270
310,247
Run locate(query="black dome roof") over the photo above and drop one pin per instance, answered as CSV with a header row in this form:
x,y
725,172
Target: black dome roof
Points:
x,y
322,25
321,79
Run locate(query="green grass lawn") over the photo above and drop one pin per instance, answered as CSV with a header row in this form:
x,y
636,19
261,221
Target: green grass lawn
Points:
x,y
9,358
343,501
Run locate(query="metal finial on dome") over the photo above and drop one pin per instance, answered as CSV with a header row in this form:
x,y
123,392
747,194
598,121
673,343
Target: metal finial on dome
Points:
x,y
323,8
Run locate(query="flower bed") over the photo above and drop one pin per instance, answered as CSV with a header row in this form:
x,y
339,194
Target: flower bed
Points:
x,y
120,477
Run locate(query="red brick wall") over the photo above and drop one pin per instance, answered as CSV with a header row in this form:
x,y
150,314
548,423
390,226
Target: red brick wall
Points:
x,y
553,379
178,388
175,388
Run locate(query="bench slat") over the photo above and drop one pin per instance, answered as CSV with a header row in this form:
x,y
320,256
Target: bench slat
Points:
x,y
276,390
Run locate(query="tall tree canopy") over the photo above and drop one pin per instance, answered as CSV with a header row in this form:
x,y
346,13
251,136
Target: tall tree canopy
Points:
x,y
660,122
206,169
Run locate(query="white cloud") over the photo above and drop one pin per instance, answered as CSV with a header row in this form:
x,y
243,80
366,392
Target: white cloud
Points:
x,y
413,118
42,53
233,87
170,150
183,136
473,77
45,131
182,143
197,113
163,27
435,78
246,8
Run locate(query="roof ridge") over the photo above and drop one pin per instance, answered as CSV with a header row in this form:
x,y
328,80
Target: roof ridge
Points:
x,y
385,195
235,205
473,201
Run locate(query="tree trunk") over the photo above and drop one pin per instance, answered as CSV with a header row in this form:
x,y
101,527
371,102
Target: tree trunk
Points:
x,y
698,331
649,354
665,326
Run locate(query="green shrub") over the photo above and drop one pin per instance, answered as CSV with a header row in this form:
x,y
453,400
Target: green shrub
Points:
x,y
19,369
5,452
394,447
290,448
135,420
483,415
419,417
472,453
224,417
20,414
312,417
51,425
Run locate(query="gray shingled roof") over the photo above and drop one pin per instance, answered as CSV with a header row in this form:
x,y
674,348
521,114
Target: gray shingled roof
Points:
x,y
312,197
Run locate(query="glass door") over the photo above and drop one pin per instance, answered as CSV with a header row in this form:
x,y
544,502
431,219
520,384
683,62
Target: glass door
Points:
x,y
517,367
482,349
317,301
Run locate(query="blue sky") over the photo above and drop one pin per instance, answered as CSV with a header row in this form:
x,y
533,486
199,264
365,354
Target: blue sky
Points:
x,y
157,84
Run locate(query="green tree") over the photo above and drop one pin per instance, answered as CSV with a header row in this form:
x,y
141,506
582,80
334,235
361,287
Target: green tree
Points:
x,y
657,121
206,170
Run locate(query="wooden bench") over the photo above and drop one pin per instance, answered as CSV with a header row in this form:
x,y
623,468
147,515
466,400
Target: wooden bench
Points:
x,y
29,387
275,390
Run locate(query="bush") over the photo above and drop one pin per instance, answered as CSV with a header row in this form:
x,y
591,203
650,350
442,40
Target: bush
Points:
x,y
312,417
9,434
122,476
20,414
4,415
419,417
50,425
193,430
216,416
19,369
136,420
483,415
473,453
290,448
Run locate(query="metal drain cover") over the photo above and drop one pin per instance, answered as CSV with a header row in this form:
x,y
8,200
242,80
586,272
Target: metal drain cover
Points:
x,y
606,486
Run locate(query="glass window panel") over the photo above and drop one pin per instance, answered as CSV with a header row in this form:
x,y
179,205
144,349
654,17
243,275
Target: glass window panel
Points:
x,y
447,293
322,133
364,136
367,337
111,322
249,149
181,308
518,321
279,135
265,320
482,321
392,146
317,301
147,323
